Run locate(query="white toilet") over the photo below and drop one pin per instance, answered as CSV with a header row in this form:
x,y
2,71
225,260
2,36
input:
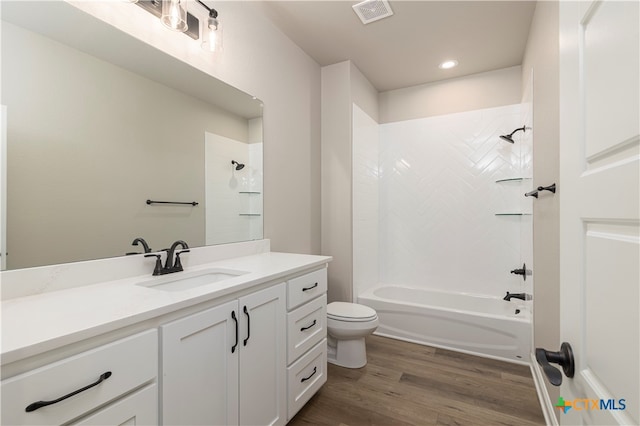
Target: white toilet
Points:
x,y
347,325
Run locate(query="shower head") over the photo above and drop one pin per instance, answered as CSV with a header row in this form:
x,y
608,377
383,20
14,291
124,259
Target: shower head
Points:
x,y
239,166
509,137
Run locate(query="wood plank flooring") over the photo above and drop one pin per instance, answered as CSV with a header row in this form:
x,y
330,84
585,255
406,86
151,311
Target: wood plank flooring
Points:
x,y
408,384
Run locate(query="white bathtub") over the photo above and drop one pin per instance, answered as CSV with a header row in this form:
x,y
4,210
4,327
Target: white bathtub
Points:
x,y
477,325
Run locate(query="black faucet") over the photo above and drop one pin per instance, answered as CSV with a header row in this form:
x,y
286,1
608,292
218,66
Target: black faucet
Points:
x,y
521,296
169,265
141,240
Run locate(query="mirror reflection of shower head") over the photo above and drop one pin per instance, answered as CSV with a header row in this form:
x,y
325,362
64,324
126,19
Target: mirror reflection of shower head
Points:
x,y
239,166
509,137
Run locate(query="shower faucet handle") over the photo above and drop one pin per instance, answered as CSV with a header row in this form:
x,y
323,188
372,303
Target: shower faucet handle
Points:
x,y
523,271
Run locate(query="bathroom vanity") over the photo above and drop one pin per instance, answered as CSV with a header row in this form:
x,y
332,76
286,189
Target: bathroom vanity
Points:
x,y
238,340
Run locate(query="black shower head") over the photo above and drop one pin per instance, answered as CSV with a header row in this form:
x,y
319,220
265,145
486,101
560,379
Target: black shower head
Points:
x,y
509,137
239,166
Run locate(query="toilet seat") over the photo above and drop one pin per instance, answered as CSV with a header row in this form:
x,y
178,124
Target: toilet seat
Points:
x,y
350,312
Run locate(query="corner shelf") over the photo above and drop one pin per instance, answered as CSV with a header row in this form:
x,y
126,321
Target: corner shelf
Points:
x,y
515,179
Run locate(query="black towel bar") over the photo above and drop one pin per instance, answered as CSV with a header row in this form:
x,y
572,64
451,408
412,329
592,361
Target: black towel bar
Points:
x,y
192,203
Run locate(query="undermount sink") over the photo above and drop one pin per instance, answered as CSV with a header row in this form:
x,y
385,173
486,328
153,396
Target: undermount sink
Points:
x,y
185,280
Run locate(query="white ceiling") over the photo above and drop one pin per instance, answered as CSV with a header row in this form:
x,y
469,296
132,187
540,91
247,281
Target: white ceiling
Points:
x,y
405,49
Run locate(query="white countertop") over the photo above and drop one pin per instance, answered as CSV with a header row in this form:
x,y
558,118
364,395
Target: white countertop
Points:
x,y
38,323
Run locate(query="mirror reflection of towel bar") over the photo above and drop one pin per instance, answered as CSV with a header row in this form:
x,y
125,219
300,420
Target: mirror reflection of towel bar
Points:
x,y
192,203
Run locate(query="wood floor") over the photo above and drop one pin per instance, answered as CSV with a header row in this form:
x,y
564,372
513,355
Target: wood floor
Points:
x,y
409,384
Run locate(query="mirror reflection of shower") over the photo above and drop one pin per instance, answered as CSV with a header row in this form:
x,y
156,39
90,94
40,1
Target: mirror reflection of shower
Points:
x,y
239,166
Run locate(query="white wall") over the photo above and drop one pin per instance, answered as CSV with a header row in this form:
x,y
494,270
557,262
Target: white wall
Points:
x,y
366,259
260,60
469,93
342,86
439,199
541,61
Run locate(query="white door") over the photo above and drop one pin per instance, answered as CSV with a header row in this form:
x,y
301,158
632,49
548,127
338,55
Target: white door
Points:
x,y
599,210
263,357
199,380
3,188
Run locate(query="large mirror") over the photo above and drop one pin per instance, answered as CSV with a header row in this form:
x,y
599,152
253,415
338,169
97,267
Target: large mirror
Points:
x,y
97,123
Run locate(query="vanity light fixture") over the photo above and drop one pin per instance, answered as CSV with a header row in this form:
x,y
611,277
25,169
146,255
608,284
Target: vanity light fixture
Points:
x,y
212,33
448,64
174,15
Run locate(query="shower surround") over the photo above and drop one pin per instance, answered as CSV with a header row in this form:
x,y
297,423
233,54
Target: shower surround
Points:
x,y
444,217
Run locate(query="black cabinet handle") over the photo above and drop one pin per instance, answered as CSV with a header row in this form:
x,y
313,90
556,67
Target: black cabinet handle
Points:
x,y
34,406
564,358
246,312
309,288
304,379
233,316
308,327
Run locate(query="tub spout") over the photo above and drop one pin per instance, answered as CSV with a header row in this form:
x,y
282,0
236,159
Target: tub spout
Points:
x,y
521,296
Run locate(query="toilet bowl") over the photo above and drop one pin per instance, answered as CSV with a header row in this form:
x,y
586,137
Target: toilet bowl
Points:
x,y
347,325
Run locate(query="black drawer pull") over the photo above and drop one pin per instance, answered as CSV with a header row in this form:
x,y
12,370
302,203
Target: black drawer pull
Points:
x,y
310,375
309,288
308,327
246,312
40,404
233,316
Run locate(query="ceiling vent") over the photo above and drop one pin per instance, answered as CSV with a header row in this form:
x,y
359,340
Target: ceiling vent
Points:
x,y
372,10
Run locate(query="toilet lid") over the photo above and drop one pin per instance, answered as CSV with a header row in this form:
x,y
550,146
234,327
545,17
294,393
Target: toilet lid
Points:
x,y
343,311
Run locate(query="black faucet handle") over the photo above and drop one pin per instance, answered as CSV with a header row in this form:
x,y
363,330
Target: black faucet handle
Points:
x,y
178,264
157,270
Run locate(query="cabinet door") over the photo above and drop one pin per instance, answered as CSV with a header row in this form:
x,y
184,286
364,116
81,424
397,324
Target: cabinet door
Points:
x,y
200,368
263,357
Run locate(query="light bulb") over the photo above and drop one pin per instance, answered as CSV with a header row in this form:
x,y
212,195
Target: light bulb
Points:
x,y
174,15
212,35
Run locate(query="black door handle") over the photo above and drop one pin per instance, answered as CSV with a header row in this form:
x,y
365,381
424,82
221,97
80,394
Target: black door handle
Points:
x,y
309,326
309,288
563,358
233,316
39,404
246,312
304,379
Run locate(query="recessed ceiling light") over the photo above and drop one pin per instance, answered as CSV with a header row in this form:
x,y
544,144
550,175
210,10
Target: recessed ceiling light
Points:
x,y
448,64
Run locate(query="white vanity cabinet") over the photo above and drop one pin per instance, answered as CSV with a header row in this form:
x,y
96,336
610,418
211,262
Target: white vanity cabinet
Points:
x,y
306,338
95,380
227,364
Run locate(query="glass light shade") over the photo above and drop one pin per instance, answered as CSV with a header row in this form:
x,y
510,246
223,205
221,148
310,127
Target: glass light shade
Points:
x,y
212,36
174,15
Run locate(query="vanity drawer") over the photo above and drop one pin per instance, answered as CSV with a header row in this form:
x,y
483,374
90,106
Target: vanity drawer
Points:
x,y
305,377
132,361
307,287
306,326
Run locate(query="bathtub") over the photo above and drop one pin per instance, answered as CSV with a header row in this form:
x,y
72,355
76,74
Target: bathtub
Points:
x,y
484,326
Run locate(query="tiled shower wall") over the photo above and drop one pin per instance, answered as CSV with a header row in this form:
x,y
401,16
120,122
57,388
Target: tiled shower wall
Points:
x,y
444,223
233,197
